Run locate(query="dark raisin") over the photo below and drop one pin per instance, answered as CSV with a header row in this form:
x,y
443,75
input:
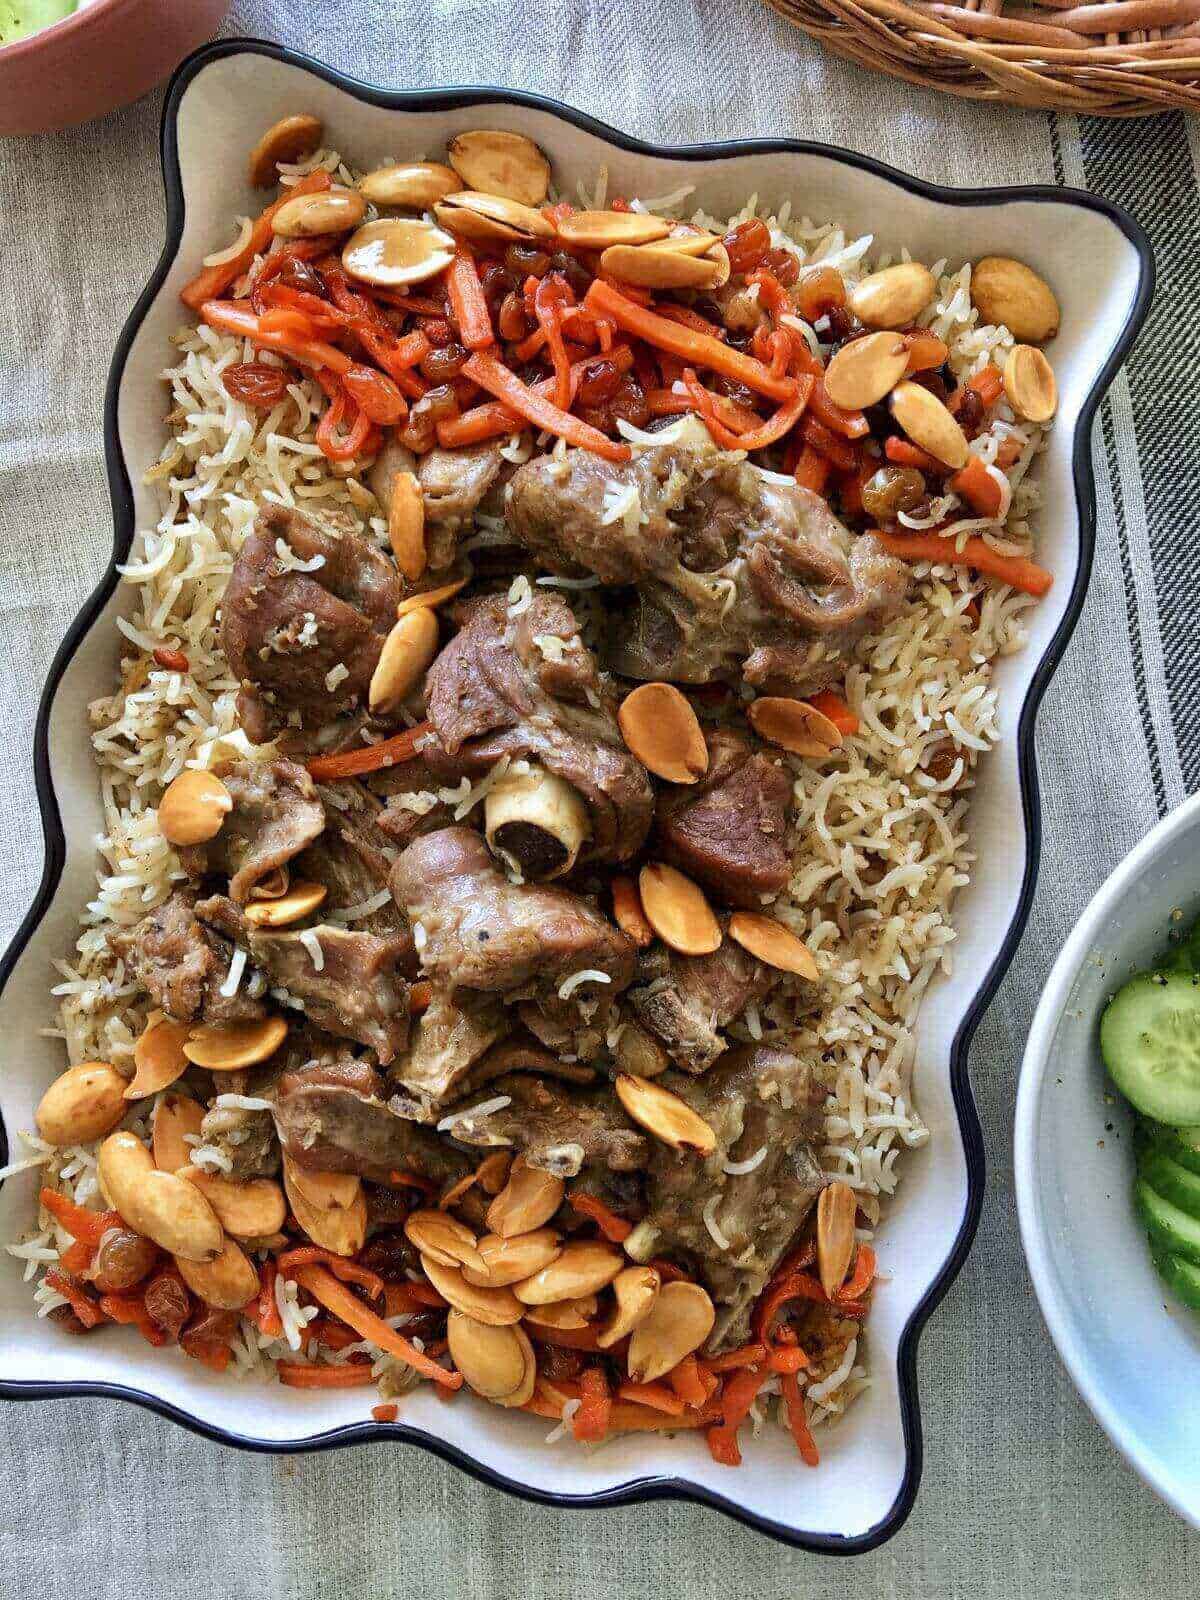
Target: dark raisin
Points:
x,y
443,363
168,1304
892,490
511,319
122,1259
526,261
598,383
67,1320
784,265
747,245
843,324
388,1254
970,413
735,391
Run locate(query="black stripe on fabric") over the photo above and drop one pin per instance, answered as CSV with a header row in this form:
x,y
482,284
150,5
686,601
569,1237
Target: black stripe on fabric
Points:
x,y
1148,169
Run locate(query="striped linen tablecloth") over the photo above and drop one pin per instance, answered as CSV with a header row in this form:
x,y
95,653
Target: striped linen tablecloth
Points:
x,y
1022,1495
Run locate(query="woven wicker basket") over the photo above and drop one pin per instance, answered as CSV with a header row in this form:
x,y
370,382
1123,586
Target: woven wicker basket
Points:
x,y
1110,58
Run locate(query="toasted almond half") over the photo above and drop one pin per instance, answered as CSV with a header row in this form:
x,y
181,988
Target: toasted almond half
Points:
x,y
193,807
677,910
228,1282
584,1266
894,296
511,1260
635,1289
793,725
498,163
412,185
928,423
528,1200
395,252
406,525
301,900
407,652
596,230
640,1053
430,599
158,1058
627,911
489,219
678,1323
308,216
493,1360
690,241
1029,384
864,370
836,1210
649,266
665,1115
285,141
177,1115
443,1239
661,729
341,1229
497,1308
566,1314
771,942
249,1209
492,1172
326,1191
450,1197
230,1046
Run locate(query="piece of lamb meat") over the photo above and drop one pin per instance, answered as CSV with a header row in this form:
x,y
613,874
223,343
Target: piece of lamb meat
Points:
x,y
758,1098
353,859
557,1127
357,992
733,572
276,814
685,1001
183,965
528,687
284,632
729,831
454,484
448,1039
331,1116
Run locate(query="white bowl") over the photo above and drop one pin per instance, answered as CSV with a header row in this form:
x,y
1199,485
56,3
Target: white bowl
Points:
x,y
217,106
1131,1348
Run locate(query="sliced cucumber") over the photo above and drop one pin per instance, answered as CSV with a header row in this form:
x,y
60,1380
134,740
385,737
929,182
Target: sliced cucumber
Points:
x,y
1150,1041
1171,1180
1172,1231
19,18
1181,1144
1181,1277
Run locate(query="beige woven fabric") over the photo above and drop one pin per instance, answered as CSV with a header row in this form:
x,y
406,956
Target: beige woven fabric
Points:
x,y
1022,1496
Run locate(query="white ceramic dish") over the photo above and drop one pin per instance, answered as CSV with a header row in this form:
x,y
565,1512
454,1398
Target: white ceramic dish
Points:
x,y
218,104
1131,1348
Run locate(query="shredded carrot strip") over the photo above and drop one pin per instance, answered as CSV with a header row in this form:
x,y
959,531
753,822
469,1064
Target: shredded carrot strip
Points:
x,y
687,1382
975,484
829,444
349,763
614,1228
905,454
77,1257
687,318
549,300
386,1413
655,1395
80,1223
849,424
987,383
592,1419
747,1355
835,708
467,302
352,1375
232,316
207,1351
549,1398
484,369
765,433
263,1311
84,1307
492,419
861,1278
130,1311
812,470
335,1297
1018,571
405,1297
213,281
348,1271
797,1420
736,1399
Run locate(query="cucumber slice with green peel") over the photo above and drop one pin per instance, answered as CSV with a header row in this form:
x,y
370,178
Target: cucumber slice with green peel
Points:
x,y
20,18
1171,1180
1181,1144
1150,1041
1181,1277
1172,1231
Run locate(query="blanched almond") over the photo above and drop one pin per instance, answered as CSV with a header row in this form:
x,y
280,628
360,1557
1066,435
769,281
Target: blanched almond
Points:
x,y
636,1289
627,912
158,1057
285,142
412,185
493,1360
300,901
528,1199
678,1323
340,1229
404,660
1029,384
771,942
449,1198
498,163
83,1103
176,1116
429,599
508,1261
249,1208
689,241
193,807
677,910
497,1308
490,219
583,1267
1012,295
228,1282
661,729
793,725
307,216
327,1191
444,1239
523,1393
836,1210
566,1314
596,230
665,1115
861,372
492,1172
227,1047
928,423
406,525
894,296
649,267
395,252
158,1205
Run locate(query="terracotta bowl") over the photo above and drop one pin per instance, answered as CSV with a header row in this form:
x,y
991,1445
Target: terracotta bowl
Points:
x,y
101,57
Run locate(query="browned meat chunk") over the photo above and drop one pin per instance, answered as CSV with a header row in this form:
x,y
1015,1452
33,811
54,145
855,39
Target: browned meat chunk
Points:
x,y
454,483
448,1040
356,992
285,632
759,1099
353,859
730,829
407,789
332,1117
733,572
479,931
183,965
555,1128
495,690
687,1000
276,814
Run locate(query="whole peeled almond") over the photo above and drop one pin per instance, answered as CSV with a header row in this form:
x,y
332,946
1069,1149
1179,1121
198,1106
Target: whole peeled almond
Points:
x,y
661,729
665,1115
772,943
793,725
83,1103
648,266
677,910
158,1058
227,1047
407,652
228,1282
193,807
1029,384
288,140
894,296
836,1211
678,1323
307,216
863,371
300,901
498,1308
927,422
528,1200
176,1116
406,525
493,1360
498,163
489,218
583,1267
394,252
412,185
596,230
158,1205
1009,294
635,1290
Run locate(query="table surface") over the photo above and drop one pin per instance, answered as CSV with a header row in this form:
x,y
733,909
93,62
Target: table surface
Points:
x,y
1020,1488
